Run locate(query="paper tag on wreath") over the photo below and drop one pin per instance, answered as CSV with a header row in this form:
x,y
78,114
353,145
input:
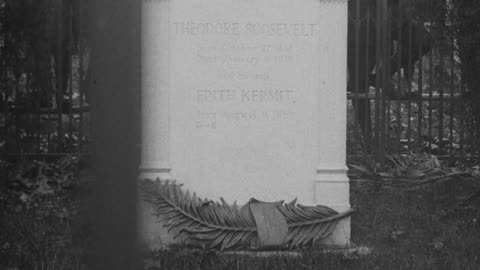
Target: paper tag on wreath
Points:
x,y
272,227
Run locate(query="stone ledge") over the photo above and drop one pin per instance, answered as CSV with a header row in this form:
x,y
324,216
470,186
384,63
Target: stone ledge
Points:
x,y
352,252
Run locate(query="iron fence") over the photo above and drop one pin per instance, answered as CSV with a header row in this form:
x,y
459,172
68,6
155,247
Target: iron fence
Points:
x,y
44,59
406,87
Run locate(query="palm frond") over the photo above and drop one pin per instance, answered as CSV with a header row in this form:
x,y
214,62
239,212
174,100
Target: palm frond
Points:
x,y
211,224
223,226
308,224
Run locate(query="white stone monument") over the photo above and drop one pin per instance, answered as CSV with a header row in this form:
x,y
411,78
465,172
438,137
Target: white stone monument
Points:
x,y
246,98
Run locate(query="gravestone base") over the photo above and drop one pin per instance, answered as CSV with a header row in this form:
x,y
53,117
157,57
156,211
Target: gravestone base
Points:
x,y
348,252
332,189
152,232
155,235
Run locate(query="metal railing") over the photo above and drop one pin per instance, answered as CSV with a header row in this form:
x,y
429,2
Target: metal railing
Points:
x,y
407,90
44,60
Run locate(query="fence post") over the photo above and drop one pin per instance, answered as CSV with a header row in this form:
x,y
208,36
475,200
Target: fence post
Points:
x,y
59,72
381,79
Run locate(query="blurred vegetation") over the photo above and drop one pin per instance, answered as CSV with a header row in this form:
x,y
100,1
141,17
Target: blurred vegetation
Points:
x,y
467,26
455,28
44,58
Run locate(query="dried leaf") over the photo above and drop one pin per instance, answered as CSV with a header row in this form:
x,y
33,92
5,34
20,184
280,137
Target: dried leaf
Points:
x,y
360,168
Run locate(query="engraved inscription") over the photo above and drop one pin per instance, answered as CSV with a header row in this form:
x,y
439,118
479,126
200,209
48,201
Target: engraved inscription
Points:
x,y
244,96
243,54
211,119
279,29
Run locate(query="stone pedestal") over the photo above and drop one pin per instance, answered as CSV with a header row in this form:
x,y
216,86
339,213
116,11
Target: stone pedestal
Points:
x,y
246,99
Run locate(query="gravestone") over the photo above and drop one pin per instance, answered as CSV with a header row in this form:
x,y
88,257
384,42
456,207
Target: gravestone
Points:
x,y
246,98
